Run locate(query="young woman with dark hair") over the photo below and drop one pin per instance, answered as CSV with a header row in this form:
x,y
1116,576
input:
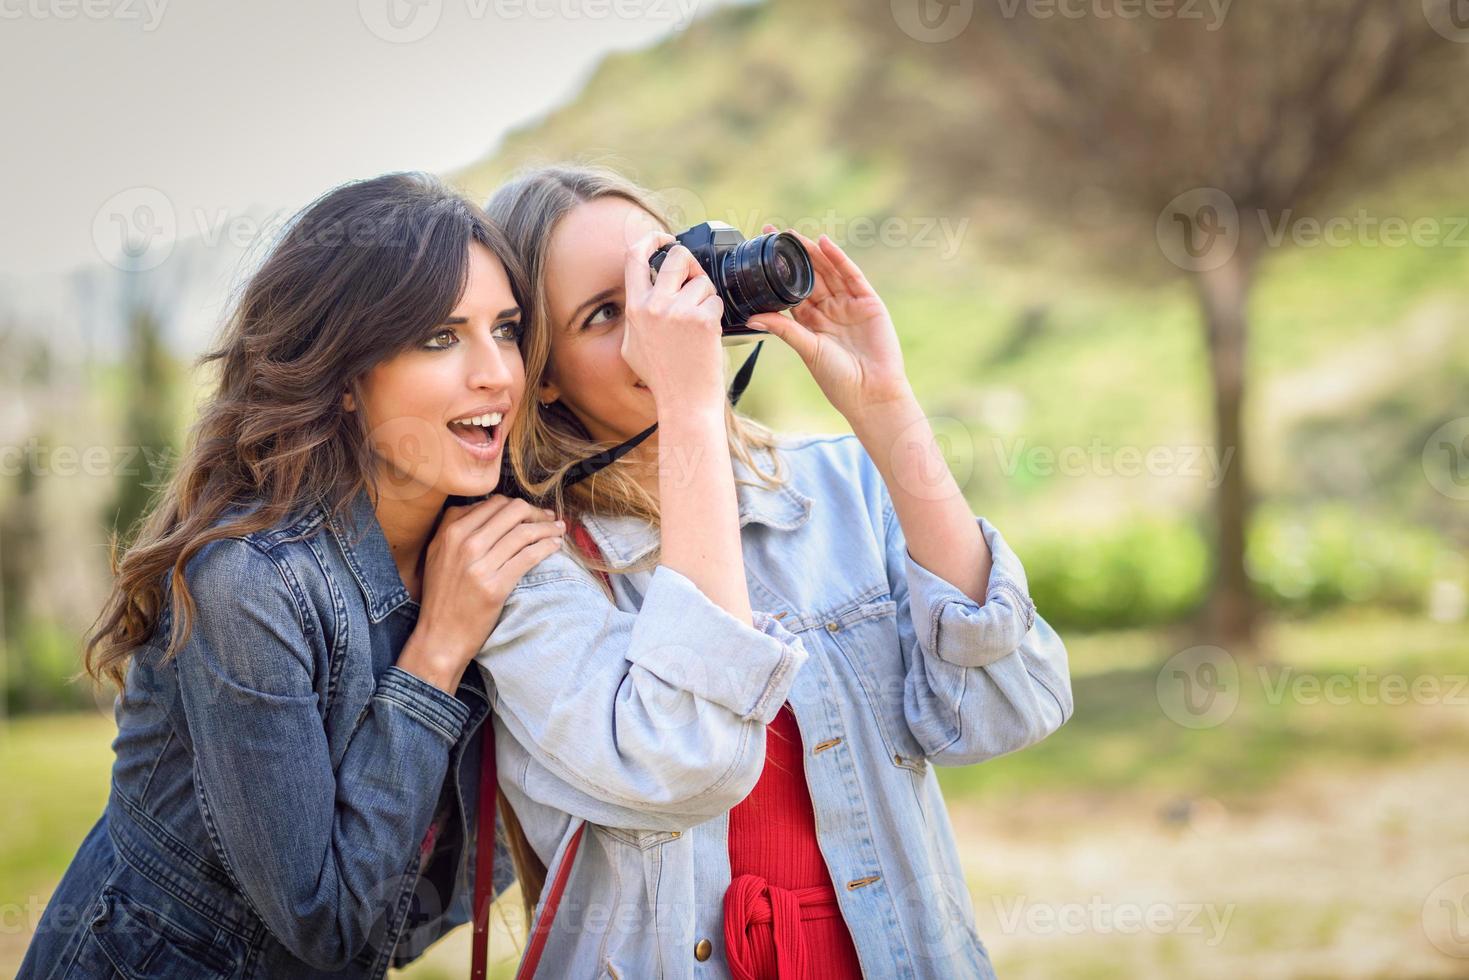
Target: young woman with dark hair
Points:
x,y
296,781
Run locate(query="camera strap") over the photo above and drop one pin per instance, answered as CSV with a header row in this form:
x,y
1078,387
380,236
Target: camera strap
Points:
x,y
602,460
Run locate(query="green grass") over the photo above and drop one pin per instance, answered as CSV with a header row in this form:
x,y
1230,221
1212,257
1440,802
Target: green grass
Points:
x,y
1120,740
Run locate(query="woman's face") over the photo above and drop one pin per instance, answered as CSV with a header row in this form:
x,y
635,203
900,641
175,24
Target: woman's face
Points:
x,y
584,293
438,413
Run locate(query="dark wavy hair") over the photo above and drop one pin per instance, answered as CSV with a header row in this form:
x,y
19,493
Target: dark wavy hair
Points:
x,y
364,272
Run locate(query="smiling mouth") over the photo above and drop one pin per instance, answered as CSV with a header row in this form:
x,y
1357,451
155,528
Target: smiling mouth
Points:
x,y
482,435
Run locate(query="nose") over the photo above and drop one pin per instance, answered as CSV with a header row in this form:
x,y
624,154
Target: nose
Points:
x,y
493,366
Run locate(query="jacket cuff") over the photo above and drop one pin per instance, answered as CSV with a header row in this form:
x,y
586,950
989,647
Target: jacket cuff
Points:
x,y
439,710
960,631
692,644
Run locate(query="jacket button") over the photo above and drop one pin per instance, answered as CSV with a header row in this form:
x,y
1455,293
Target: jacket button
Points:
x,y
832,627
702,950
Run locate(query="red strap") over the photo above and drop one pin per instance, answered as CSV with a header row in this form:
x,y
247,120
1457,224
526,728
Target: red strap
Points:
x,y
484,865
484,871
542,930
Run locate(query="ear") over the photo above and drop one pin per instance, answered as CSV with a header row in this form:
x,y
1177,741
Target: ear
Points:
x,y
549,392
348,402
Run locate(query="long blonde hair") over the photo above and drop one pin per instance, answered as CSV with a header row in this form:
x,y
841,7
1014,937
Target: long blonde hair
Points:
x,y
548,440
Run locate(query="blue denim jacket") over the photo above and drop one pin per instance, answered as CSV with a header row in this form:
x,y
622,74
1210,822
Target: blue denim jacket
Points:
x,y
274,781
646,720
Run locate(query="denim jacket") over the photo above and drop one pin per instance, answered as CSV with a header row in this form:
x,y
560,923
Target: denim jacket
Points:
x,y
274,781
647,720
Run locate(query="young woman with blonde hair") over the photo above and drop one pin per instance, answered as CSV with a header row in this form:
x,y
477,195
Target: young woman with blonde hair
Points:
x,y
717,720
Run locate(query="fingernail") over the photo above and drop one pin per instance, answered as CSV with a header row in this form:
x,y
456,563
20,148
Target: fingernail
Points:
x,y
560,523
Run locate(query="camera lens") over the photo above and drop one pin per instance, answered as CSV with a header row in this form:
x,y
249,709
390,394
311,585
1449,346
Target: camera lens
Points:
x,y
766,274
788,268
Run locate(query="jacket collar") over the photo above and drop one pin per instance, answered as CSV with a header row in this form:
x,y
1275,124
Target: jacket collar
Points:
x,y
624,540
365,548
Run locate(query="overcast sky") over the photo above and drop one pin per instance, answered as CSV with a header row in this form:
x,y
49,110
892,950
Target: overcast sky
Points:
x,y
181,116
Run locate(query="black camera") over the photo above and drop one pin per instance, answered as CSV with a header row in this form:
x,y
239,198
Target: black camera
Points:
x,y
765,274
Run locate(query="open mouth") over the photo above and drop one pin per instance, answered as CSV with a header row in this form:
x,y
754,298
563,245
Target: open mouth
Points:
x,y
482,435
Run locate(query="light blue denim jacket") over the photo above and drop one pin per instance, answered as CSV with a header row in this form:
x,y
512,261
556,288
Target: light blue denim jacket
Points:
x,y
647,720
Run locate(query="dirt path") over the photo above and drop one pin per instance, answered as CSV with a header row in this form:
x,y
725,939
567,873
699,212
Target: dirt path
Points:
x,y
1336,875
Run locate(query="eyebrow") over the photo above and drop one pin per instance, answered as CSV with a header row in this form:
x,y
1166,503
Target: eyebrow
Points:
x,y
504,314
601,297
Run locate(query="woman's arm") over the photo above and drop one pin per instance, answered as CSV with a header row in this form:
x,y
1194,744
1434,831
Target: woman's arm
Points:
x,y
936,524
652,720
672,342
980,679
318,850
847,340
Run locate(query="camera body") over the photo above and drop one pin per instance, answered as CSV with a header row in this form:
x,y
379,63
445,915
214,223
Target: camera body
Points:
x,y
765,274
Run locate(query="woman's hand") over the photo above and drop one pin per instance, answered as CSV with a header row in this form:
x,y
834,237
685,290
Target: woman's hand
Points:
x,y
843,334
672,335
477,555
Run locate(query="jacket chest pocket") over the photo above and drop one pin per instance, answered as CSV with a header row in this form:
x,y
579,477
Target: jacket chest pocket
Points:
x,y
867,638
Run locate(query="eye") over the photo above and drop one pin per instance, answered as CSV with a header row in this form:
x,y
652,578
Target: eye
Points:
x,y
602,314
442,339
511,330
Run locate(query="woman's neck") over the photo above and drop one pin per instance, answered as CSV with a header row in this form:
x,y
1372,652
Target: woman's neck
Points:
x,y
408,525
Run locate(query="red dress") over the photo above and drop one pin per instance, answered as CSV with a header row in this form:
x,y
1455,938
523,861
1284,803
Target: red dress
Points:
x,y
781,918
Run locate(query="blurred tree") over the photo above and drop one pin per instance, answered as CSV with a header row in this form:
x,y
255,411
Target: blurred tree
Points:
x,y
21,540
149,419
1204,132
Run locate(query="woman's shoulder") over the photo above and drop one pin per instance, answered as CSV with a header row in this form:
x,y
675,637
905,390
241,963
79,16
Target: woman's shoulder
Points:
x,y
247,550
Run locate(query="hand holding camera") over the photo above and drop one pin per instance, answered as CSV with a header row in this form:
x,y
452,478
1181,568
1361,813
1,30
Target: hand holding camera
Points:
x,y
672,335
843,333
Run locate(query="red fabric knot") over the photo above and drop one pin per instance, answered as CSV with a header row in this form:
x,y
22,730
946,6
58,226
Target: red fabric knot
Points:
x,y
750,901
